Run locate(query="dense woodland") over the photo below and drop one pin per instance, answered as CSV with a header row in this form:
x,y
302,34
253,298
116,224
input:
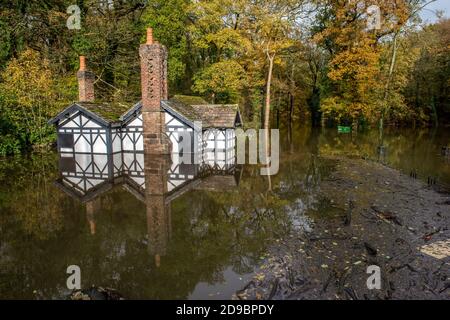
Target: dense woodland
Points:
x,y
284,61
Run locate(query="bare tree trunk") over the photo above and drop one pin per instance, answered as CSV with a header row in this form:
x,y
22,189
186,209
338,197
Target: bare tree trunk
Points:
x,y
385,106
291,107
391,69
267,111
291,96
268,87
278,110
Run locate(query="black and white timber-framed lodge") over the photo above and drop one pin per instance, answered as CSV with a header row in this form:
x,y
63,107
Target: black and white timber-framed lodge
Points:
x,y
94,128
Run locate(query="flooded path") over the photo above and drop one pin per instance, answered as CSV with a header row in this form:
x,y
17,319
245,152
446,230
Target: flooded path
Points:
x,y
206,231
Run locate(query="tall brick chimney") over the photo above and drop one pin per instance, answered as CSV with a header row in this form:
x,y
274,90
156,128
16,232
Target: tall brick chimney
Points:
x,y
154,89
85,82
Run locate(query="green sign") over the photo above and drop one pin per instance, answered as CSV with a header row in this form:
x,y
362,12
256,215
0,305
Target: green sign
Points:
x,y
344,129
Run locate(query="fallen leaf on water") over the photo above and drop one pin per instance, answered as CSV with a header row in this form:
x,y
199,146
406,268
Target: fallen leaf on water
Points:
x,y
260,277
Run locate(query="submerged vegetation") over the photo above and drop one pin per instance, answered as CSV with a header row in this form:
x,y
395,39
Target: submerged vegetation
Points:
x,y
291,60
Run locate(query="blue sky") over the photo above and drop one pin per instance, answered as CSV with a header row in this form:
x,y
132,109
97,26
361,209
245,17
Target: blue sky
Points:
x,y
429,16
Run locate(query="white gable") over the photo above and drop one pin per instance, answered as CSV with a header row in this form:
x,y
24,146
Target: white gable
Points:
x,y
171,121
137,122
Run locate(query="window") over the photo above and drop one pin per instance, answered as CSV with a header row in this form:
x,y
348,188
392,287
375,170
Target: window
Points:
x,y
65,141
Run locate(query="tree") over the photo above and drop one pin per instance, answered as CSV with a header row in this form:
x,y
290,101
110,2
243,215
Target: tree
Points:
x,y
27,88
354,66
221,81
170,22
427,88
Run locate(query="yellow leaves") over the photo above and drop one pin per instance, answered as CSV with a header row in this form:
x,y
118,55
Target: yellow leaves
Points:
x,y
229,39
342,109
355,66
28,79
333,106
356,71
225,77
239,35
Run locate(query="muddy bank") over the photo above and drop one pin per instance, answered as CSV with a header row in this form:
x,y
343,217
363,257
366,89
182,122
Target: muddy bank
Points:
x,y
378,216
95,293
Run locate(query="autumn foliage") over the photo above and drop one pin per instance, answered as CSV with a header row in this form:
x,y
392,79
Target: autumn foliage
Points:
x,y
283,61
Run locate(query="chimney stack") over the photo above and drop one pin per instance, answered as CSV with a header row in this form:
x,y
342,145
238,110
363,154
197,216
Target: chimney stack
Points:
x,y
85,82
154,89
149,36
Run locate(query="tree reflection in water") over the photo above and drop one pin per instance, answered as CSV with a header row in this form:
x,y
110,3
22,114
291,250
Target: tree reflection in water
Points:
x,y
153,235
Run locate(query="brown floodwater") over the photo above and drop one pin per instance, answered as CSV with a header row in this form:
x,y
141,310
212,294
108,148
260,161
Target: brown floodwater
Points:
x,y
196,232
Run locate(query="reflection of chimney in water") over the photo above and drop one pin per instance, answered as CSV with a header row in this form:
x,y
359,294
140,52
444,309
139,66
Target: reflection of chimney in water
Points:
x,y
158,213
91,208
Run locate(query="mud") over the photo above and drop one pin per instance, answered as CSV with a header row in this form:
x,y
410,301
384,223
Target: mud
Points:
x,y
378,216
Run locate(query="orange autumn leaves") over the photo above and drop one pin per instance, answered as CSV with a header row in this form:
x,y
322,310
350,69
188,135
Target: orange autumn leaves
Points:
x,y
355,69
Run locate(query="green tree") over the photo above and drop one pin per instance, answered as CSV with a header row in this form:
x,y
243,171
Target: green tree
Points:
x,y
27,88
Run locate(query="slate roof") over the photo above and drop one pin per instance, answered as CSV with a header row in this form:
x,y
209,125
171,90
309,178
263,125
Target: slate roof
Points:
x,y
194,109
188,108
211,115
111,112
189,99
218,116
105,113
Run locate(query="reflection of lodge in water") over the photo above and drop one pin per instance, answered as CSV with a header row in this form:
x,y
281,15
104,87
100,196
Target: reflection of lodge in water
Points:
x,y
156,180
140,147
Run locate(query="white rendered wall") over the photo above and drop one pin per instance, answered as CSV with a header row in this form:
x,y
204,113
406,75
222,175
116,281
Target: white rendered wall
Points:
x,y
132,139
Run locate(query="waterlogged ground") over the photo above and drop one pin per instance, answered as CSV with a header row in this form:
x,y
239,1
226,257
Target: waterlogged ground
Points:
x,y
378,217
295,237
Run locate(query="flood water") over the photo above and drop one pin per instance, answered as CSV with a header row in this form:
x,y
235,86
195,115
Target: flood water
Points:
x,y
196,232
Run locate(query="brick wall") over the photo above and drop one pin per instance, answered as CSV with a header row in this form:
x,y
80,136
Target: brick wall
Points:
x,y
85,82
154,89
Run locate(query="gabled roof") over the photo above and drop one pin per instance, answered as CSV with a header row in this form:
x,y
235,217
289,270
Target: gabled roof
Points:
x,y
186,108
111,112
183,112
104,113
210,115
135,109
218,115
